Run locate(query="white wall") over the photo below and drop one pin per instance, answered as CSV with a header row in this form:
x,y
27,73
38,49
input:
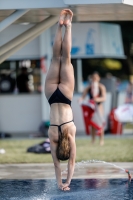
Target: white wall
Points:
x,y
31,50
95,40
121,98
20,113
23,113
77,113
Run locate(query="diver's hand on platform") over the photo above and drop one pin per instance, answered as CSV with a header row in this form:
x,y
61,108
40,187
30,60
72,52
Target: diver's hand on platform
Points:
x,y
60,186
65,187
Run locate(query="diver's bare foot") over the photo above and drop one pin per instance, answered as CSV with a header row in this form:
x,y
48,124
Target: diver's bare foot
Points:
x,y
62,17
68,18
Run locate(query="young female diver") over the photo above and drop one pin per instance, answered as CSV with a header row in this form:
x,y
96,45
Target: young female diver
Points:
x,y
59,87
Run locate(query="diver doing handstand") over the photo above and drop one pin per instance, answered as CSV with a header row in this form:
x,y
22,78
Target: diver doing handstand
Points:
x,y
59,88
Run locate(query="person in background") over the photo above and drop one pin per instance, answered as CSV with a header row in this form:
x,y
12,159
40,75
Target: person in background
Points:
x,y
129,92
22,81
96,92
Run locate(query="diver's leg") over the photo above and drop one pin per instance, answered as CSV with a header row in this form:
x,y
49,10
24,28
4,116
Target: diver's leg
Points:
x,y
66,72
52,78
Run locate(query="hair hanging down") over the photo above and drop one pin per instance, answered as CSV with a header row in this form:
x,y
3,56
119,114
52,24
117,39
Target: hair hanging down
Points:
x,y
63,148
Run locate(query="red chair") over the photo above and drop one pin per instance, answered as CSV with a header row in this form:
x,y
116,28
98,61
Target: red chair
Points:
x,y
115,125
88,111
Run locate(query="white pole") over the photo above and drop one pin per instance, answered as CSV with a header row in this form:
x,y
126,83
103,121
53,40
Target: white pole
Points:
x,y
12,18
79,76
16,48
45,24
45,51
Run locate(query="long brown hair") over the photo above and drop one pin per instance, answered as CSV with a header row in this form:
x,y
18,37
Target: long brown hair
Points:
x,y
63,148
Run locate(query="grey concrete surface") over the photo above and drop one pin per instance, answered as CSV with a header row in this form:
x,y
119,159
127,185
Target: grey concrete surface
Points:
x,y
46,171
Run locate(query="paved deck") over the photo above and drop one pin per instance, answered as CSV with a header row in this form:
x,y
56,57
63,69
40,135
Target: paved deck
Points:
x,y
46,171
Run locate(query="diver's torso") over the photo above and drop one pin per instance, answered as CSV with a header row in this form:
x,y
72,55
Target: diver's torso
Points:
x,y
60,113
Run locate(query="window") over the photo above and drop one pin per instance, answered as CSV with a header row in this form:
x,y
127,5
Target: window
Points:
x,y
11,70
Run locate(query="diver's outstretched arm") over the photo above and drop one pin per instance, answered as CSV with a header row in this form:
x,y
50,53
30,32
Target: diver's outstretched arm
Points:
x,y
71,162
53,147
